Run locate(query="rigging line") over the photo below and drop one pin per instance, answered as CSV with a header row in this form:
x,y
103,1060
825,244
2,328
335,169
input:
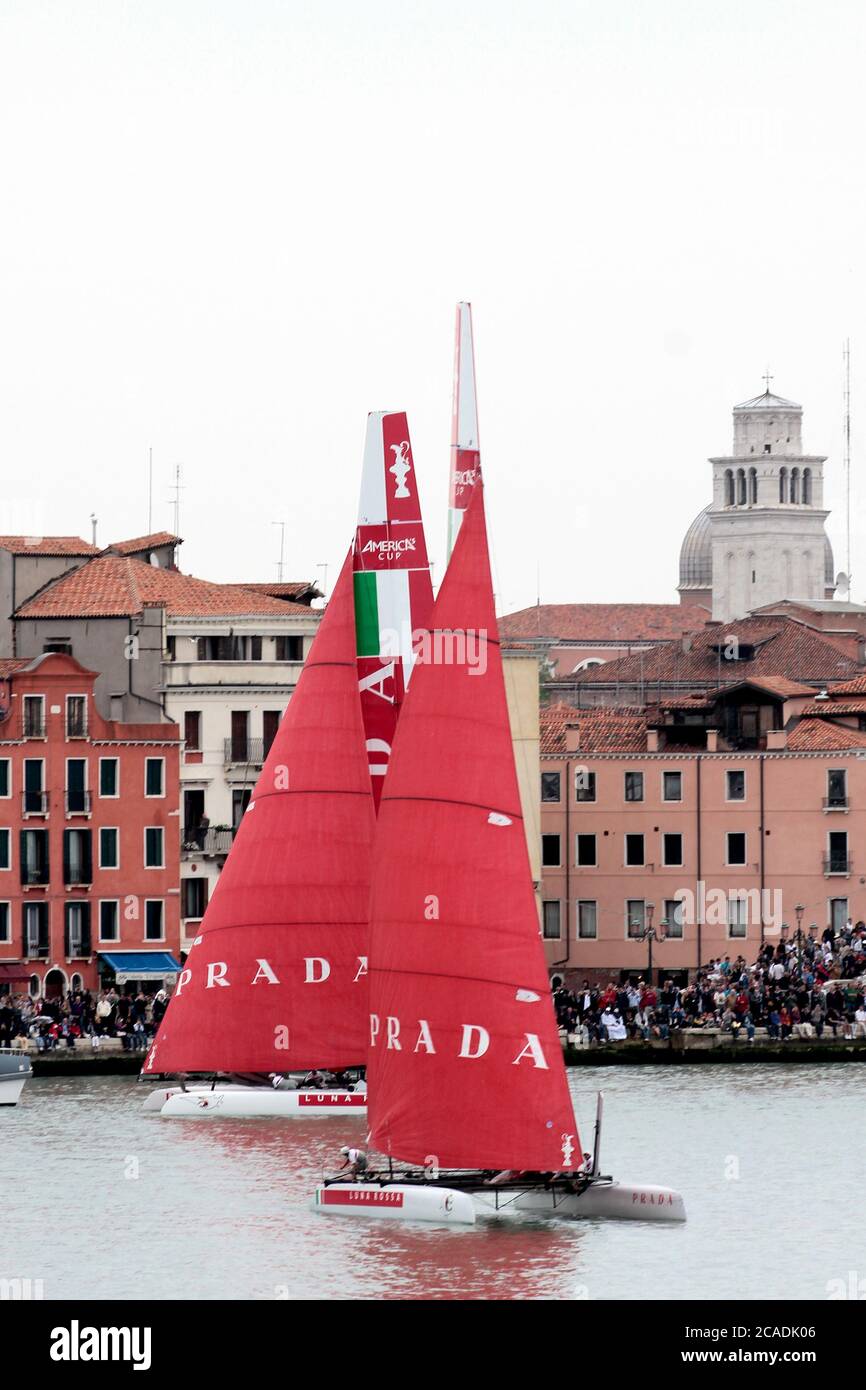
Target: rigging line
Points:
x,y
452,801
464,979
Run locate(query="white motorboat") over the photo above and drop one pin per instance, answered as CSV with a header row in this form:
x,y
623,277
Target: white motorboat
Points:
x,y
245,1102
15,1070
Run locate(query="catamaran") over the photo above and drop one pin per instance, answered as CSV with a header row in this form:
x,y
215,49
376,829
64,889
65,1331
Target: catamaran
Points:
x,y
469,1103
15,1069
303,859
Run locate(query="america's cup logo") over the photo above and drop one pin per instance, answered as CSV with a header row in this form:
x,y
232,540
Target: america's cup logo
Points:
x,y
567,1149
400,467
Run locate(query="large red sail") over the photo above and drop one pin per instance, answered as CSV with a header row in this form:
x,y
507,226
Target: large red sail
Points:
x,y
465,1065
277,977
393,590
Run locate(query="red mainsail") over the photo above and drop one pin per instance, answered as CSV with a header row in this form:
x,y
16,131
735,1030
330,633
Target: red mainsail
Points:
x,y
277,977
465,1066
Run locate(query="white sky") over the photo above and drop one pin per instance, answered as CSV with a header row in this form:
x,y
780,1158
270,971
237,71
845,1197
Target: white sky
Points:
x,y
229,228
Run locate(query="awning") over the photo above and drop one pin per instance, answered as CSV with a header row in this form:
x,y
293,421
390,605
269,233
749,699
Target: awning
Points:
x,y
140,965
13,974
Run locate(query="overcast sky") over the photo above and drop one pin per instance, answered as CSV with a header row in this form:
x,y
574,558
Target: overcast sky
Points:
x,y
229,228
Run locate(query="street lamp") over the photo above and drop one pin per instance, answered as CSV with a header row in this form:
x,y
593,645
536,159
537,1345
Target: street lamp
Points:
x,y
799,909
651,934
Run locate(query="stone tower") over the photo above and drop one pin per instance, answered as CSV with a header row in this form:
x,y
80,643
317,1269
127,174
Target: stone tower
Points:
x,y
762,538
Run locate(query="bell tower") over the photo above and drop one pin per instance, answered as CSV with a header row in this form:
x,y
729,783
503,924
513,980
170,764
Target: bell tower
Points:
x,y
767,515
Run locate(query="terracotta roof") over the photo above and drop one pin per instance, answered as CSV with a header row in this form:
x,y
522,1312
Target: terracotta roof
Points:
x,y
295,588
857,686
813,735
599,622
602,730
141,543
119,586
828,709
47,545
780,685
8,665
784,649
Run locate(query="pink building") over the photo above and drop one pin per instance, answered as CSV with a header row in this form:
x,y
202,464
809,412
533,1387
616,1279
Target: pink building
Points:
x,y
701,826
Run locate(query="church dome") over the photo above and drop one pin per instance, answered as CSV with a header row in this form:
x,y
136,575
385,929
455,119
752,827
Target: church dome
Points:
x,y
696,554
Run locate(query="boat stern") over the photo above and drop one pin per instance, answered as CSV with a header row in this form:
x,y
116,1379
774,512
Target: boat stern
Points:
x,y
395,1202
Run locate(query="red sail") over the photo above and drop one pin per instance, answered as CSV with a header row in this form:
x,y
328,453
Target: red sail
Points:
x,y
465,1066
276,978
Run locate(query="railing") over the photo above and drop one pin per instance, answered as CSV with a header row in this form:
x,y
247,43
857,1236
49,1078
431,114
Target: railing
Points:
x,y
34,728
207,842
837,864
244,750
78,803
76,728
835,803
35,949
78,946
34,803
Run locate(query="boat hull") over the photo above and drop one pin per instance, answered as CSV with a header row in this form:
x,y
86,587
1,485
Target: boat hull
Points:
x,y
395,1202
260,1102
613,1201
15,1070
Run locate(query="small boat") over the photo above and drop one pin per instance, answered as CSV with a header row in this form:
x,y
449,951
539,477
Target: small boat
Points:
x,y
231,1099
15,1070
469,1100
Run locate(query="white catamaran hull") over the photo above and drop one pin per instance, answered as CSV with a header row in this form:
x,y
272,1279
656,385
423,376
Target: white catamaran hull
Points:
x,y
613,1201
15,1069
395,1202
244,1102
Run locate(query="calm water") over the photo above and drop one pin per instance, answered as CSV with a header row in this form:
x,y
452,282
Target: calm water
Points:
x,y
102,1201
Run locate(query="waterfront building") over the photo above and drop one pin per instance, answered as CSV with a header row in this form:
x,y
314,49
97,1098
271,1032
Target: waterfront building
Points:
x,y
716,822
89,845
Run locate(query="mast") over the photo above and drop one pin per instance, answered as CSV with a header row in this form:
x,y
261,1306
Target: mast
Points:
x,y
465,455
277,977
465,1064
393,590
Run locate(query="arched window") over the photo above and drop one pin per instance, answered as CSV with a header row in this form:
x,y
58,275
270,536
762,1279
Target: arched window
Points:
x,y
741,487
753,487
795,484
783,484
807,486
35,986
729,488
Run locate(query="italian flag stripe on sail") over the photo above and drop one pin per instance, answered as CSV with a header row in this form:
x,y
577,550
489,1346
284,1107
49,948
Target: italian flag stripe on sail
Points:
x,y
393,591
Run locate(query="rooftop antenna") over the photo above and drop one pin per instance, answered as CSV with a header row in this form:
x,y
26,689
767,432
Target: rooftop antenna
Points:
x,y
767,379
177,489
846,357
93,520
323,566
150,492
282,526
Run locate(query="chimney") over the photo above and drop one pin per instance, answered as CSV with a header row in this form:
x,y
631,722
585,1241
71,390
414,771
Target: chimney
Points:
x,y
712,740
776,739
572,738
652,740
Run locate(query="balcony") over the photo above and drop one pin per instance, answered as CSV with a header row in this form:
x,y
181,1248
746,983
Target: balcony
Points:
x,y
835,803
78,803
243,752
77,945
36,948
34,727
837,864
34,803
213,844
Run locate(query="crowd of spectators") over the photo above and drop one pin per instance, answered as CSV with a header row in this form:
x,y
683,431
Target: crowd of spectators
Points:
x,y
798,987
131,1016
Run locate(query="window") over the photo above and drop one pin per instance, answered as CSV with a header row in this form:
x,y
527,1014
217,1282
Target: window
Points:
x,y
807,486
77,861
672,786
672,849
673,917
753,487
192,730
736,845
35,800
586,852
584,785
837,787
587,920
837,845
34,716
34,856
634,852
240,742
76,716
109,920
735,785
154,776
153,911
154,858
729,488
76,786
61,645
289,648
550,857
551,928
255,649
229,648
634,786
783,484
5,778
193,896
838,914
109,849
738,915
77,929
5,924
635,917
241,797
270,724
5,848
550,786
109,781
34,920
